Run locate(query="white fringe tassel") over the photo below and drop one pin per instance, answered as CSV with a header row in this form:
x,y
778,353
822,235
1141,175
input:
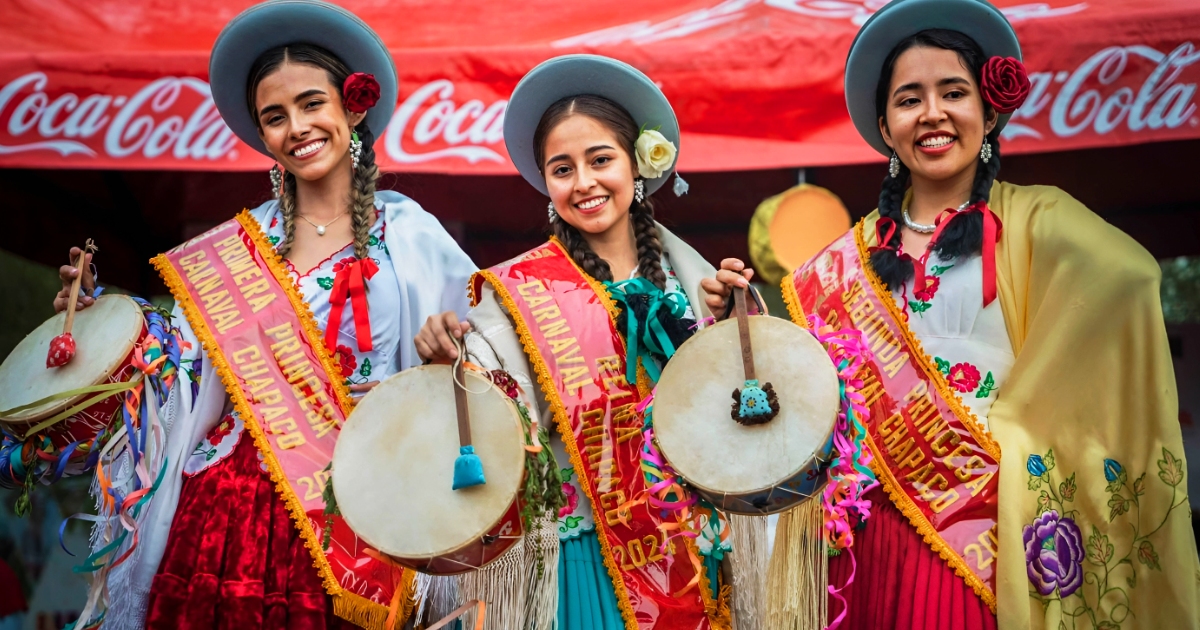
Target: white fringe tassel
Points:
x,y
748,564
501,585
541,551
799,571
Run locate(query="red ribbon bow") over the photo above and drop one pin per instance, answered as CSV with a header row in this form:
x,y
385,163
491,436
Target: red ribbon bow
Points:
x,y
885,229
350,283
991,235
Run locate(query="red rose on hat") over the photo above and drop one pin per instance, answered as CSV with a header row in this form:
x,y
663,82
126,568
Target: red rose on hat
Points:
x,y
1005,84
360,92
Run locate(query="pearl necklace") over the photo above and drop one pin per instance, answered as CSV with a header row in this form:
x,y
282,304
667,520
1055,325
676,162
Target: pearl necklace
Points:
x,y
921,227
321,228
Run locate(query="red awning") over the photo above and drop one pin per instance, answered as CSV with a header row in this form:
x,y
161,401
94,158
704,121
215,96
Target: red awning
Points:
x,y
756,83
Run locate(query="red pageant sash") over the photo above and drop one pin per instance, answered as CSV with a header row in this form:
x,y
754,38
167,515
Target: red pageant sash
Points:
x,y
260,335
566,321
937,463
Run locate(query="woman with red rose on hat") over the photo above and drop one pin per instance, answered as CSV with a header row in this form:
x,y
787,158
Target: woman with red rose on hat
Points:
x,y
288,309
1020,407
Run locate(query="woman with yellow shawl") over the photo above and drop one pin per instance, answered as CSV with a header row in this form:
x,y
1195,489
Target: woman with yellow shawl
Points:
x,y
1022,408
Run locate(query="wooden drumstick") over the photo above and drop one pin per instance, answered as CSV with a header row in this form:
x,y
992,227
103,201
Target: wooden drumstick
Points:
x,y
62,347
743,318
468,468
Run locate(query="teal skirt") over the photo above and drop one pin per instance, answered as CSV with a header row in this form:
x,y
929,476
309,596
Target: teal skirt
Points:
x,y
586,599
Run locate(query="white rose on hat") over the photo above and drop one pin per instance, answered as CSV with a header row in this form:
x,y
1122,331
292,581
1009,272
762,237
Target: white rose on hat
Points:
x,y
655,154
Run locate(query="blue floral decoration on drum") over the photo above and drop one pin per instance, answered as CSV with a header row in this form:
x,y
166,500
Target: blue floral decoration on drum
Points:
x,y
753,404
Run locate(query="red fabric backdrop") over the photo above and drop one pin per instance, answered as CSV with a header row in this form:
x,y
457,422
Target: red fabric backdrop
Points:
x,y
756,83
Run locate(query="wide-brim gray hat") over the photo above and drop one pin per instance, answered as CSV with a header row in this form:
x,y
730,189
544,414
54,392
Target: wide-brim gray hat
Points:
x,y
900,19
576,75
282,22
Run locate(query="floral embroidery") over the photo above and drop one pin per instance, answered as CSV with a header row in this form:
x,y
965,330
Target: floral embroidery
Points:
x,y
924,296
572,500
325,282
1062,566
220,431
342,264
364,373
193,368
274,240
274,222
215,446
964,377
346,360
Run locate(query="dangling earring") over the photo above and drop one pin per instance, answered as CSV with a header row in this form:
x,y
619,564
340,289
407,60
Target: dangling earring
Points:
x,y
551,214
894,166
277,181
355,150
985,153
639,190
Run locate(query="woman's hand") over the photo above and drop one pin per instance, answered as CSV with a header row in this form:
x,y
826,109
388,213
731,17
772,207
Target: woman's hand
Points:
x,y
434,341
733,273
67,274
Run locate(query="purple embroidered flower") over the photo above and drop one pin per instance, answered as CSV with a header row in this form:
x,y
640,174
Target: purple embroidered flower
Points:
x,y
1054,554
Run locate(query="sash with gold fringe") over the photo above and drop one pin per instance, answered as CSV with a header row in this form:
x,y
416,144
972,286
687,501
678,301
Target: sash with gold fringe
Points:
x,y
260,335
937,463
566,321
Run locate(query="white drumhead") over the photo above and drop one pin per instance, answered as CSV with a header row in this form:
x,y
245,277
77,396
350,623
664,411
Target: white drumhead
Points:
x,y
393,465
104,333
692,405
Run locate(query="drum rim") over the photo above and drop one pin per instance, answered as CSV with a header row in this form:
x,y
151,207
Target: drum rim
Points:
x,y
417,560
42,413
812,455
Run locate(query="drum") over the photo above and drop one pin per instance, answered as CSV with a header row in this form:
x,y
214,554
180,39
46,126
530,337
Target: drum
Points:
x,y
747,468
106,335
394,464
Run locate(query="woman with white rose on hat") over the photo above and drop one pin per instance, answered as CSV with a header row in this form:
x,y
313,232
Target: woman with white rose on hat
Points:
x,y
1018,404
598,138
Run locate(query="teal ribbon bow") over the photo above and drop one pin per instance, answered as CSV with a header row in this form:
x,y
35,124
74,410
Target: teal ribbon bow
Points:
x,y
652,338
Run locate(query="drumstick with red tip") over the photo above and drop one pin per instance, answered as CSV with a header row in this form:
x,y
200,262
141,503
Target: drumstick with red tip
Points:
x,y
62,347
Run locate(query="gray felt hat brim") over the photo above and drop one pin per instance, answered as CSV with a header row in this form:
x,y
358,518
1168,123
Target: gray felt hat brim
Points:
x,y
896,21
575,75
282,22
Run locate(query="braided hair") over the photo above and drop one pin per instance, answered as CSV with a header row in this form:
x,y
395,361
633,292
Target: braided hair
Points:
x,y
963,234
362,189
641,214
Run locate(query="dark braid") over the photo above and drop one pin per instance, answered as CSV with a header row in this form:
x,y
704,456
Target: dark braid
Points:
x,y
892,270
362,192
580,251
963,234
649,246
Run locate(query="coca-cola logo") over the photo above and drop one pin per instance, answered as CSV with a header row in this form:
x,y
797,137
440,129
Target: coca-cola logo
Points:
x,y
858,11
431,119
139,124
1161,101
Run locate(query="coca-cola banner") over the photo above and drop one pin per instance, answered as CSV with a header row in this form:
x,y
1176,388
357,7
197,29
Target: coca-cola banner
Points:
x,y
755,83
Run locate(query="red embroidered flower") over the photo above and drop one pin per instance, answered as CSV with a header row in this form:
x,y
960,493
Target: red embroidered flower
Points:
x,y
572,501
1005,84
931,287
343,263
220,431
964,377
360,92
274,221
348,362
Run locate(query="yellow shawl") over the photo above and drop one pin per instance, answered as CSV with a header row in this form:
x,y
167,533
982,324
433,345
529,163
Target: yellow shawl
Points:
x,y
1090,407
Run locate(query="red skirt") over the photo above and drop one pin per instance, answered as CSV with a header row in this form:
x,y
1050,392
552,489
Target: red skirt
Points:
x,y
234,559
900,582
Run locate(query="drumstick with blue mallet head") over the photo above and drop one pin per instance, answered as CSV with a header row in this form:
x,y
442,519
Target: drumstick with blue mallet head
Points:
x,y
468,468
752,404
